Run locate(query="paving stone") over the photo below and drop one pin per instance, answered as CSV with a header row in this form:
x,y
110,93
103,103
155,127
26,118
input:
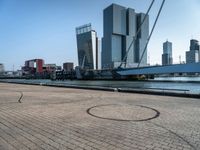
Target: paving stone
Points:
x,y
63,118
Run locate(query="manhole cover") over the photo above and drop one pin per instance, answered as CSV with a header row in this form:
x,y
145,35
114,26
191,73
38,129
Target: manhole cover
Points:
x,y
123,112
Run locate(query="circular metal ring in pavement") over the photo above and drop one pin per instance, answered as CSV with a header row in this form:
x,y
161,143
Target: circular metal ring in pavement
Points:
x,y
123,112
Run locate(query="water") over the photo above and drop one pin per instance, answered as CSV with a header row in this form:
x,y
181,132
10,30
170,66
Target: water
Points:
x,y
197,79
157,84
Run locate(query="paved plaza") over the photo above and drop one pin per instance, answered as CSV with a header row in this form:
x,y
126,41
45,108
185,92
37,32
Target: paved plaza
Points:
x,y
50,118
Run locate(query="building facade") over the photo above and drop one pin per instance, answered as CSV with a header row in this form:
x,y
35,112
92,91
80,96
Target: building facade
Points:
x,y
87,45
99,53
193,55
68,66
49,67
1,68
120,26
33,66
167,58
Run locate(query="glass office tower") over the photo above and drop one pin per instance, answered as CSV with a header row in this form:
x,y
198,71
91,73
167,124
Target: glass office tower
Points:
x,y
167,53
193,56
120,26
87,45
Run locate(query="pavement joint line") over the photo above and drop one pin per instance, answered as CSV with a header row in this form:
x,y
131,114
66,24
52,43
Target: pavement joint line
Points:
x,y
13,136
37,137
88,135
21,132
8,141
41,129
176,134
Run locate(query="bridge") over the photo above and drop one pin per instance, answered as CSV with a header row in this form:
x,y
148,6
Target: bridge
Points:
x,y
153,70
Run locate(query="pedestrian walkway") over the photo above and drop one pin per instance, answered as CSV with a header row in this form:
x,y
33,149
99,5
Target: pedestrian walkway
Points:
x,y
51,118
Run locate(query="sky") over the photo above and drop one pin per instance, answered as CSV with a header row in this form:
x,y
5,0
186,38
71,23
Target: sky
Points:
x,y
46,28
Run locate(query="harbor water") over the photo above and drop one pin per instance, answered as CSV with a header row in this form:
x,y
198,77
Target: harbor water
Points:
x,y
176,84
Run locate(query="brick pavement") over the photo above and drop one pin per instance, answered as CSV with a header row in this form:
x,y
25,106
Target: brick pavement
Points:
x,y
57,119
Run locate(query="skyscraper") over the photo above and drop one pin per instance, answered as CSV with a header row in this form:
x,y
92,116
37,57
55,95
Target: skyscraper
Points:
x,y
120,28
87,44
193,56
167,53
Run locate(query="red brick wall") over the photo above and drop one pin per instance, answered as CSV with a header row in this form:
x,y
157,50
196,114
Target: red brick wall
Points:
x,y
39,65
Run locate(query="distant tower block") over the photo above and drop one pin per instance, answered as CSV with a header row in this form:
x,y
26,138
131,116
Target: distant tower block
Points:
x,y
167,53
193,56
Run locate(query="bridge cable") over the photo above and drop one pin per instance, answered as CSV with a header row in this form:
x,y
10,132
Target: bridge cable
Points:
x,y
138,31
151,33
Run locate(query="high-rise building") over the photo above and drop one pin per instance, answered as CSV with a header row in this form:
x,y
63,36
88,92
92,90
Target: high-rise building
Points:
x,y
120,26
167,53
87,44
194,45
193,56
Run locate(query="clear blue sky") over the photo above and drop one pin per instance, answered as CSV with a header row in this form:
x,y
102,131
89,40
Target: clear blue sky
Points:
x,y
46,28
